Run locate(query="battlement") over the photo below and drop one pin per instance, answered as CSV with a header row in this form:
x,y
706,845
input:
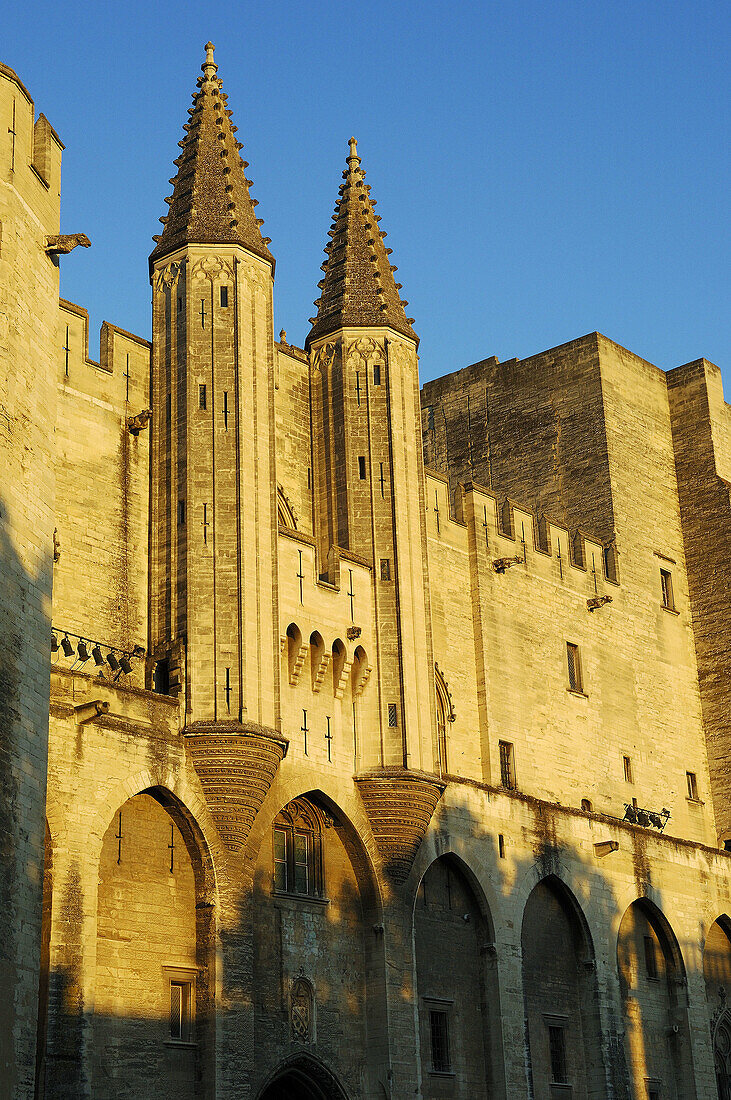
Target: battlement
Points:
x,y
31,158
497,521
121,375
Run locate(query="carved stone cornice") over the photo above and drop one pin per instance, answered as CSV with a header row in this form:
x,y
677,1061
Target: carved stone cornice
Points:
x,y
236,763
399,803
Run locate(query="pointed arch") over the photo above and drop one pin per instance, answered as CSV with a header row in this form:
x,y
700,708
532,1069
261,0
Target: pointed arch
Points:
x,y
302,1077
560,991
286,515
445,715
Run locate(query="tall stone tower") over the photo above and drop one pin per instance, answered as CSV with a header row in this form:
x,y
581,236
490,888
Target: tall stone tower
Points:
x,y
213,587
369,479
30,183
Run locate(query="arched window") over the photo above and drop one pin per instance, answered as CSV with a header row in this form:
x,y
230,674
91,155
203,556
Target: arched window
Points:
x,y
338,661
298,850
294,652
445,713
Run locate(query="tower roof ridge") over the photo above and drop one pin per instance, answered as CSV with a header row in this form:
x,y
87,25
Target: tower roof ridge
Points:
x,y
210,203
358,288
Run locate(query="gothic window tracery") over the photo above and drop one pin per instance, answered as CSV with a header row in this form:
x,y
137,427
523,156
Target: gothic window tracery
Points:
x,y
298,850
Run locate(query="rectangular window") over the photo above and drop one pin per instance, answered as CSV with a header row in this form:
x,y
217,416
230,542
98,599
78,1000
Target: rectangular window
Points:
x,y
181,513
666,582
557,1049
224,296
507,765
280,859
692,785
392,715
377,374
180,1011
385,569
202,397
653,1092
627,767
650,957
301,863
576,680
361,467
439,1032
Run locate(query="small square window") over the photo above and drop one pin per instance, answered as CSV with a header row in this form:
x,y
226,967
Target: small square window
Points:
x,y
181,1011
202,396
650,958
666,583
576,680
224,296
507,765
392,715
361,467
557,1050
439,1033
653,1092
385,569
692,783
627,769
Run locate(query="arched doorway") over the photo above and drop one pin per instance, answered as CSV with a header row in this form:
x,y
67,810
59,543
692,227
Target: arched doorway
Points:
x,y
303,1078
717,974
559,990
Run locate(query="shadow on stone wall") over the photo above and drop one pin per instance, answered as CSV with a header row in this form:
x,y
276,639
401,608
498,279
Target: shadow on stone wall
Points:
x,y
24,673
554,935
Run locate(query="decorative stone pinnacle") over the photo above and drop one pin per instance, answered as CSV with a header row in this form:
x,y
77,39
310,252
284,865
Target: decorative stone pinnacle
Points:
x,y
209,66
353,159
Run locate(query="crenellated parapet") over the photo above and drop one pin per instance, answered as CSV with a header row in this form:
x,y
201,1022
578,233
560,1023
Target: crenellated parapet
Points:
x,y
400,804
509,531
236,763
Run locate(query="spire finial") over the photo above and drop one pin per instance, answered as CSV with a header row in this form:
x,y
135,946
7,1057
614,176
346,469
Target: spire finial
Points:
x,y
209,66
353,158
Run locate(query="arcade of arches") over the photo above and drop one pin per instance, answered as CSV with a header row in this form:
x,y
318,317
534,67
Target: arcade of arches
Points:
x,y
320,976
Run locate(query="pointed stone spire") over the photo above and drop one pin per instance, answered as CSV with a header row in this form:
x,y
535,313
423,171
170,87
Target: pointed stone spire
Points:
x,y
359,288
210,203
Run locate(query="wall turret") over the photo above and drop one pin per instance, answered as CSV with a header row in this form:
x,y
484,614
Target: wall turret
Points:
x,y
369,480
213,522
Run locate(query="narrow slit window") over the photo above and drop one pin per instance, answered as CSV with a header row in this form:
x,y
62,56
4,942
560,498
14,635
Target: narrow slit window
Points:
x,y
168,408
557,1049
692,784
392,715
507,765
650,958
666,584
181,513
202,396
377,374
180,305
385,569
501,845
224,296
573,657
439,1034
627,768
361,467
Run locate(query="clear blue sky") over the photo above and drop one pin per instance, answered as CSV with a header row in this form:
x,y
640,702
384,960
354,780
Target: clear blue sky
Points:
x,y
542,169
